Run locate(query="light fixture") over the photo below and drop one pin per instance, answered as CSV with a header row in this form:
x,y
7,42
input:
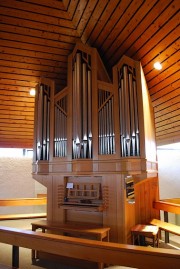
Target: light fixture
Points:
x,y
32,92
158,65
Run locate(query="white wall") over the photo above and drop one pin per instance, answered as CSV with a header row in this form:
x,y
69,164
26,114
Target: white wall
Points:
x,y
16,181
169,174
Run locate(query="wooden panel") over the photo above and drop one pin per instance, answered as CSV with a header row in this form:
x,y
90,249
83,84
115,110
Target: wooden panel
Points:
x,y
94,19
17,13
52,11
36,38
144,30
129,15
33,43
146,192
100,24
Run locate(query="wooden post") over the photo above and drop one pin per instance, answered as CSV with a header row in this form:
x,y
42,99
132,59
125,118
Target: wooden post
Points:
x,y
15,256
166,233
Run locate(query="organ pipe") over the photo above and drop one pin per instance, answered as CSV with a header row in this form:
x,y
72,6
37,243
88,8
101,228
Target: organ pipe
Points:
x,y
43,123
89,114
60,128
82,106
128,110
106,123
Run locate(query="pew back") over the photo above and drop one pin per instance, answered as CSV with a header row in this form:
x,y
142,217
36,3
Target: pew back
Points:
x,y
91,250
21,202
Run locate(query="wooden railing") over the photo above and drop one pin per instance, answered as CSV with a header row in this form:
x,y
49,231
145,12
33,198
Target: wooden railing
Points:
x,y
168,205
90,250
23,202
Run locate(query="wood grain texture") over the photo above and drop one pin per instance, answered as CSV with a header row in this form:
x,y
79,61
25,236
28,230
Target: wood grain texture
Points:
x,y
91,250
37,37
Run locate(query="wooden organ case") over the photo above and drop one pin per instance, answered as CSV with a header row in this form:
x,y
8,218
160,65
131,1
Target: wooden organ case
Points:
x,y
90,137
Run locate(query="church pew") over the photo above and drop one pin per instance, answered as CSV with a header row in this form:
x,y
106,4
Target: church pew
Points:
x,y
92,250
167,205
23,202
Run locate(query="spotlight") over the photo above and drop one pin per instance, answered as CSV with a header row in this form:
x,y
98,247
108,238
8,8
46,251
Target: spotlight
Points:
x,y
32,92
158,65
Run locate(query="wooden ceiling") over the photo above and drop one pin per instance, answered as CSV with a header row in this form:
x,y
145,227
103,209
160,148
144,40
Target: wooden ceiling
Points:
x,y
36,38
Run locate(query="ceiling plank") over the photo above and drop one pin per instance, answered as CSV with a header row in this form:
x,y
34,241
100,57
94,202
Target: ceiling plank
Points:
x,y
128,20
58,21
38,26
35,67
33,54
61,47
161,119
163,75
38,9
27,72
167,97
145,30
167,81
93,20
32,60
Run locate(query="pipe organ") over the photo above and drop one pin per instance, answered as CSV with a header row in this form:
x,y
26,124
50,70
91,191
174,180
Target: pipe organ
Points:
x,y
95,132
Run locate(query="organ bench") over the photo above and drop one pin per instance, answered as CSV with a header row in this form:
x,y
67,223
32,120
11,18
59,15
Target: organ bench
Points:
x,y
87,230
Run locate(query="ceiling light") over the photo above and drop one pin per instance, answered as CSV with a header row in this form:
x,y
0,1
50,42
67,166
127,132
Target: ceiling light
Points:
x,y
32,91
158,65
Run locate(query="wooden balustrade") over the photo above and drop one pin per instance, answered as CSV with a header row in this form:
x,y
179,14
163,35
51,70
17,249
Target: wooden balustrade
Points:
x,y
23,202
91,250
167,205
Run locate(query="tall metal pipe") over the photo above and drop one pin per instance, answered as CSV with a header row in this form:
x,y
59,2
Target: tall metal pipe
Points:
x,y
131,97
136,118
89,114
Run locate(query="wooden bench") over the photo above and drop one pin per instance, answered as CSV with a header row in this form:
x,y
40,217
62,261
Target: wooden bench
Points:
x,y
75,229
167,227
149,231
23,202
22,216
92,250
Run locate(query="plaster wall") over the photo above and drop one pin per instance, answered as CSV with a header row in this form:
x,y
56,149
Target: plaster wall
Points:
x,y
16,182
169,175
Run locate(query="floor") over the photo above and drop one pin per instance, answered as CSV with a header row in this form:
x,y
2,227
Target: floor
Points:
x,y
25,254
